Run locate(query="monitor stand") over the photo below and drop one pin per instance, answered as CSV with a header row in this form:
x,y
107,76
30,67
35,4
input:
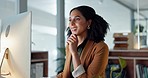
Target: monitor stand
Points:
x,y
3,53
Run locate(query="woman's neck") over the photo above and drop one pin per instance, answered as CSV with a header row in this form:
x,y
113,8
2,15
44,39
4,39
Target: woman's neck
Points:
x,y
81,39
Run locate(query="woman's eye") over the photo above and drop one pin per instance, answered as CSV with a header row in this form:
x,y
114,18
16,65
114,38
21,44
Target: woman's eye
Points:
x,y
69,19
77,18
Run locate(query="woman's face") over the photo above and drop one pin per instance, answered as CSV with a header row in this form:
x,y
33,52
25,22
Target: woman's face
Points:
x,y
77,23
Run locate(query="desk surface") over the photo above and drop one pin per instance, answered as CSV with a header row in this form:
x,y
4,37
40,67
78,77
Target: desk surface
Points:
x,y
129,53
134,50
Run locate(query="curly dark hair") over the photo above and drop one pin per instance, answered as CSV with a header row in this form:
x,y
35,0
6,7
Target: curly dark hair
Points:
x,y
98,27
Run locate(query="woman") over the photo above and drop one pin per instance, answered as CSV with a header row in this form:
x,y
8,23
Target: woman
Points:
x,y
86,51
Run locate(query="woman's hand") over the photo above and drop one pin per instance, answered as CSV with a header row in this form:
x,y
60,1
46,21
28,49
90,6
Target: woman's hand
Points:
x,y
72,41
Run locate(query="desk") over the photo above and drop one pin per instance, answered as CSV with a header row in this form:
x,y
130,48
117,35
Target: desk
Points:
x,y
132,57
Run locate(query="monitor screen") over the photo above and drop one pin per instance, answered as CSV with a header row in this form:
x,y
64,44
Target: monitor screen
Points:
x,y
16,37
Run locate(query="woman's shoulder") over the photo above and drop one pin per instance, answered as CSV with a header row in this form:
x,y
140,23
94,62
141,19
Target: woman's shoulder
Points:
x,y
100,45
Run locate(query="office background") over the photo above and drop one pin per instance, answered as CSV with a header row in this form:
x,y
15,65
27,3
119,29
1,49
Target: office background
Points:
x,y
44,21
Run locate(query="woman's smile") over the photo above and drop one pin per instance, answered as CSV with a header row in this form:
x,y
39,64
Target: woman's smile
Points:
x,y
73,29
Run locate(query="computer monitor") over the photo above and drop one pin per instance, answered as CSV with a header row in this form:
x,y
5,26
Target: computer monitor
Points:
x,y
16,38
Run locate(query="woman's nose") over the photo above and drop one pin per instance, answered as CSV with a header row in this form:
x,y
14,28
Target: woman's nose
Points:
x,y
72,23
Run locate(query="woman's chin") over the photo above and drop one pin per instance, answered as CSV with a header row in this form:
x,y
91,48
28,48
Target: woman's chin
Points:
x,y
74,33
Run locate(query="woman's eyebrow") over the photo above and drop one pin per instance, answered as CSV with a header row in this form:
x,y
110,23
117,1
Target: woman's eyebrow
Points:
x,y
74,16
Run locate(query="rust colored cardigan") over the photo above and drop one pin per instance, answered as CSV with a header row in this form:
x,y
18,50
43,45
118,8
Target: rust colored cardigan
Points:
x,y
94,59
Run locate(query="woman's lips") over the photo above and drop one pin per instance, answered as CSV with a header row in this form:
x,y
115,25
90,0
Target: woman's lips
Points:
x,y
73,29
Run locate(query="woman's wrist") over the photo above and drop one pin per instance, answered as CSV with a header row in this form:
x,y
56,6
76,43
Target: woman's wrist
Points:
x,y
74,53
76,59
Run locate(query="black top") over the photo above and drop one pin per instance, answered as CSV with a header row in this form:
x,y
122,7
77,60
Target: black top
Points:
x,y
81,46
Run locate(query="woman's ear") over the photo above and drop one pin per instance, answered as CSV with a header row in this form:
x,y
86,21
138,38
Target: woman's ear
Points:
x,y
89,22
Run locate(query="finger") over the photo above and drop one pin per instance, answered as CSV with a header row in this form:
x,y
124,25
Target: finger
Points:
x,y
68,42
75,37
72,38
